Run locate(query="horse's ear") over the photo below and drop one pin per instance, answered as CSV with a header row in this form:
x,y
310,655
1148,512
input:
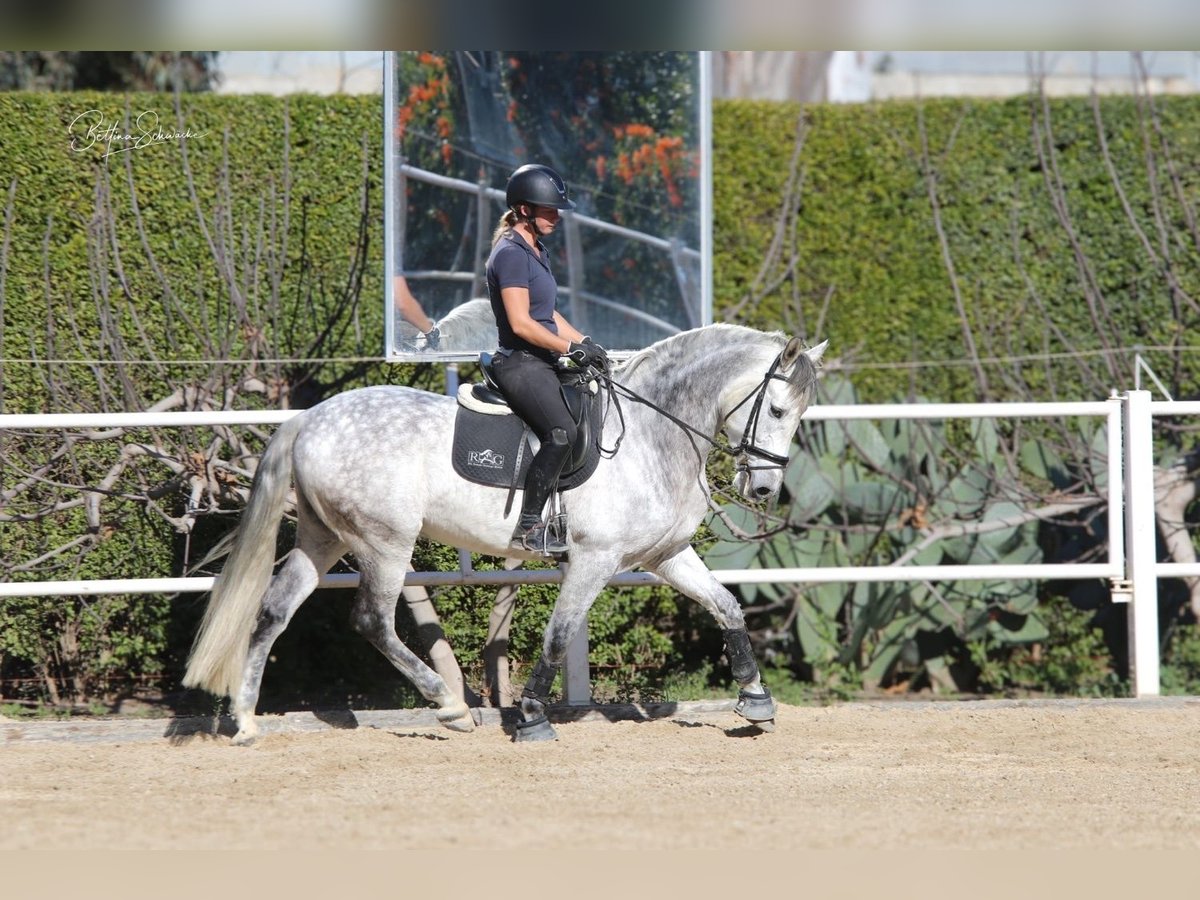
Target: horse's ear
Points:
x,y
791,353
817,352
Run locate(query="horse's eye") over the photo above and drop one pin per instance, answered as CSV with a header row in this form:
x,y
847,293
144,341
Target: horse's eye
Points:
x,y
776,412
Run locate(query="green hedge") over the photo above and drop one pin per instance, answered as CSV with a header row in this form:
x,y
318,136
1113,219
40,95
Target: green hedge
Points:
x,y
61,194
861,230
270,191
864,229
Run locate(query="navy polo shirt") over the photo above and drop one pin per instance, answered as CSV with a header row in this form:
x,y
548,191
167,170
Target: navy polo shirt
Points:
x,y
514,264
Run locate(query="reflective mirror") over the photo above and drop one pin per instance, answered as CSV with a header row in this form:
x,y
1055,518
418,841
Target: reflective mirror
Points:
x,y
629,131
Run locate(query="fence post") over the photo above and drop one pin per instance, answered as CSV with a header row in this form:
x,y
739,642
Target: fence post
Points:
x,y
1141,559
576,675
581,315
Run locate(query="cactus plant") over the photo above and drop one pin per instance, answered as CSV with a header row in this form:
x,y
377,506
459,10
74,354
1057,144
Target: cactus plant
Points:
x,y
897,492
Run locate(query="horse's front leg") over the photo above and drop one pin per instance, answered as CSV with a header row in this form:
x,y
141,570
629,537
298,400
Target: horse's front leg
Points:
x,y
687,573
583,581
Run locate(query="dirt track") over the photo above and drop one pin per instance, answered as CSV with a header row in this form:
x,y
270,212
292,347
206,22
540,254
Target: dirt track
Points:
x,y
966,775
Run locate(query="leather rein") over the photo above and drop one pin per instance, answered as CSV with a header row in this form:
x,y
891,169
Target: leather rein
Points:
x,y
747,447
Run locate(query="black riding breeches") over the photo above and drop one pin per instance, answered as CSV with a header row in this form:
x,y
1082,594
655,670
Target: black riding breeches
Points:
x,y
530,384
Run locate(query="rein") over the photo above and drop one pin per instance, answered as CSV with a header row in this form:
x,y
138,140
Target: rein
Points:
x,y
746,447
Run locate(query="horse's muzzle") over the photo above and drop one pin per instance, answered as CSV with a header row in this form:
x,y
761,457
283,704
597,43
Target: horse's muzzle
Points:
x,y
758,484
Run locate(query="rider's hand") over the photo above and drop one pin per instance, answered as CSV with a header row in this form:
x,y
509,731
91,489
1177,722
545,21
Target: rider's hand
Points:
x,y
601,355
432,338
587,353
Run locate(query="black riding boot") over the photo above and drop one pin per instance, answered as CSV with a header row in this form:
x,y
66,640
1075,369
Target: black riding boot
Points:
x,y
531,532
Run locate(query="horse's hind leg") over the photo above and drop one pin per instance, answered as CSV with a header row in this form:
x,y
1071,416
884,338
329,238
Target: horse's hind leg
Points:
x,y
374,617
317,548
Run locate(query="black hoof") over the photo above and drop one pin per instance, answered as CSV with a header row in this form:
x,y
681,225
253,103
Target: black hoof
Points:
x,y
538,729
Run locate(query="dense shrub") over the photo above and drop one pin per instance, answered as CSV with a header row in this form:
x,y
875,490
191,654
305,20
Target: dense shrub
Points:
x,y
1046,257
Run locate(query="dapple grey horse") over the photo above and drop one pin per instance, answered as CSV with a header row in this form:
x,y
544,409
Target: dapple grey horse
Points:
x,y
372,472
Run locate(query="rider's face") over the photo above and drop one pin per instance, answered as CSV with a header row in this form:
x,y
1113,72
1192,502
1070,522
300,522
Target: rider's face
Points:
x,y
545,218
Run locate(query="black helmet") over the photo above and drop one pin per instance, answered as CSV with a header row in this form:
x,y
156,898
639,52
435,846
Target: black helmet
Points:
x,y
539,186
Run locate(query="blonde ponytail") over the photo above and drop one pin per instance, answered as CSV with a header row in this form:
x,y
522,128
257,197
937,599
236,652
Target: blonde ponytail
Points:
x,y
506,223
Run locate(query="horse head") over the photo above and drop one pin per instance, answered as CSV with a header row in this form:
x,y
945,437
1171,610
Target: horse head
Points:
x,y
760,422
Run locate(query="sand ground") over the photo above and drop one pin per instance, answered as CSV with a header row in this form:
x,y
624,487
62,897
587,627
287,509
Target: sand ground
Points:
x,y
1037,775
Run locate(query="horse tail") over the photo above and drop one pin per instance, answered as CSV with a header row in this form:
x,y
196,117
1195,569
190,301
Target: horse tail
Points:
x,y
218,655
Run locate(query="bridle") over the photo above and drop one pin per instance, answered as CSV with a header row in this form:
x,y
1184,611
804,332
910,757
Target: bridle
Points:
x,y
747,447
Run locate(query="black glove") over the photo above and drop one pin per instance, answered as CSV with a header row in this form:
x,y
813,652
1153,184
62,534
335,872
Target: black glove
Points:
x,y
588,353
432,338
601,362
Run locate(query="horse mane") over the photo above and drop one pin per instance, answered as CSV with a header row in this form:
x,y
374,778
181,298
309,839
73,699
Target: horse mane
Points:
x,y
679,345
666,366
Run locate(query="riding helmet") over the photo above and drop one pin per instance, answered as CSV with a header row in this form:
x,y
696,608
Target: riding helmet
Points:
x,y
537,185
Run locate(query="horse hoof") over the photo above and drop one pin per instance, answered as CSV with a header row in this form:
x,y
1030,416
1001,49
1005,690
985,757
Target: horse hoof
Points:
x,y
245,738
538,729
456,717
757,709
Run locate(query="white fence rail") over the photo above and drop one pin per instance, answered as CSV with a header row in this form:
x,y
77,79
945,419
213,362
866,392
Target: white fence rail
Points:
x,y
1132,567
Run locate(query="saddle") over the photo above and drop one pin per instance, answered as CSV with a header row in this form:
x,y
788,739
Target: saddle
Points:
x,y
493,446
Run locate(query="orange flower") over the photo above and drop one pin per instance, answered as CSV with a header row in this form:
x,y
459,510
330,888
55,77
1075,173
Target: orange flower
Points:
x,y
402,119
624,170
601,167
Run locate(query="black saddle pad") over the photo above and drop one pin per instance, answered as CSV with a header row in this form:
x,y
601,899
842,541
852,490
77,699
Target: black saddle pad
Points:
x,y
496,450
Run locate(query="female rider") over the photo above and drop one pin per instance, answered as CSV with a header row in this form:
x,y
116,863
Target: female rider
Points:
x,y
533,335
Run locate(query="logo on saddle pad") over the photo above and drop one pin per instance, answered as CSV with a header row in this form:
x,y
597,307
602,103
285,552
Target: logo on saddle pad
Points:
x,y
487,459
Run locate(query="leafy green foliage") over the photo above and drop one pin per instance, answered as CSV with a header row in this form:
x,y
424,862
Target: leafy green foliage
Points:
x,y
1181,661
901,491
1031,217
1046,257
1069,658
123,274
